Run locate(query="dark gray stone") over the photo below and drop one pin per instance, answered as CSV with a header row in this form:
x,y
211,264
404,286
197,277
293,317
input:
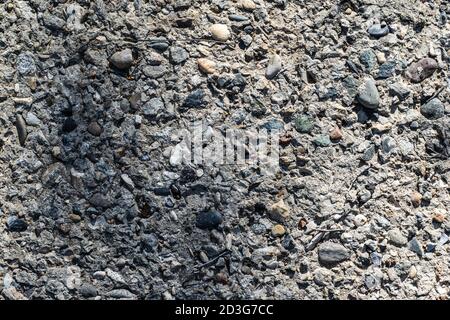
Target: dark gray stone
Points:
x,y
87,290
122,59
149,242
416,247
368,153
331,253
21,129
368,58
69,125
53,23
16,225
433,109
153,107
181,5
101,201
351,85
208,220
178,55
387,70
195,99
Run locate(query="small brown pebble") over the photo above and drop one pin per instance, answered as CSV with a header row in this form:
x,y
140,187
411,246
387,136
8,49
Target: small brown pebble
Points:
x,y
32,83
336,134
416,199
421,70
438,217
64,228
74,217
286,139
94,128
221,278
278,230
302,223
206,65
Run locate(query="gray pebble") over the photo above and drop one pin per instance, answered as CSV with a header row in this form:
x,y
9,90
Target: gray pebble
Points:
x,y
371,281
388,144
94,128
87,290
416,247
368,58
122,59
397,238
52,22
153,107
246,40
387,70
154,72
101,201
322,140
237,17
368,153
25,64
331,253
304,124
195,99
378,30
121,294
100,275
32,120
368,94
16,225
399,90
208,219
433,109
178,55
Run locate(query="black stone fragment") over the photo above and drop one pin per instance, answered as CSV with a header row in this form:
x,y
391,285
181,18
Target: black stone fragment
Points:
x,y
16,225
208,219
195,99
69,125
